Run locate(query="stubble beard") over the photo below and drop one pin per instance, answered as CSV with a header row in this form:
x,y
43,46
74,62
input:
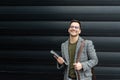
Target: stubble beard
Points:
x,y
74,35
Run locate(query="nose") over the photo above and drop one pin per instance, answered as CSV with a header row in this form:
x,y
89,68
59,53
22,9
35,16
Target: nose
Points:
x,y
74,28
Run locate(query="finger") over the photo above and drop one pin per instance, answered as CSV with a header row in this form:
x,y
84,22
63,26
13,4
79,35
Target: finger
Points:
x,y
63,60
74,64
60,58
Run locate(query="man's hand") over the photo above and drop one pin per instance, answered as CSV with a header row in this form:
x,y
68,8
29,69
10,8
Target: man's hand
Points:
x,y
77,66
60,60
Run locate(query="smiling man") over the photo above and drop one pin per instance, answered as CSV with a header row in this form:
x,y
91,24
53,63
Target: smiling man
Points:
x,y
69,50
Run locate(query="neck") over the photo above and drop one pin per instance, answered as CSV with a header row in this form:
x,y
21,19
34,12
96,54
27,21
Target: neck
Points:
x,y
73,39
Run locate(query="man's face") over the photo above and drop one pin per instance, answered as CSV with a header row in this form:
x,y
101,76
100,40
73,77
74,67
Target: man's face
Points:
x,y
74,29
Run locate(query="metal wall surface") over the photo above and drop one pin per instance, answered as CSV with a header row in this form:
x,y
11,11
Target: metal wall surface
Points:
x,y
29,29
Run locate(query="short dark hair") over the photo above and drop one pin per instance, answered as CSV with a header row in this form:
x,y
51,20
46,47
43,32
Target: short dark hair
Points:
x,y
75,21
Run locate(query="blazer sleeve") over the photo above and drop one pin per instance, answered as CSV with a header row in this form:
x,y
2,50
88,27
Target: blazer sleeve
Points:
x,y
92,56
59,66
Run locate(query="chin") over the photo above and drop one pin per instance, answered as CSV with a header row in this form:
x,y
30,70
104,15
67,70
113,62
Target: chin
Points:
x,y
73,35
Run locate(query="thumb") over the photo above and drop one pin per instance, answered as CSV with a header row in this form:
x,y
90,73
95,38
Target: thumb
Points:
x,y
74,64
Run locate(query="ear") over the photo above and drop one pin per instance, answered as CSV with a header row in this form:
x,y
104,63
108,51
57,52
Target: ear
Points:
x,y
68,30
80,31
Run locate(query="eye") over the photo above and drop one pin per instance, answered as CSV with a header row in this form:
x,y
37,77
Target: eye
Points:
x,y
76,27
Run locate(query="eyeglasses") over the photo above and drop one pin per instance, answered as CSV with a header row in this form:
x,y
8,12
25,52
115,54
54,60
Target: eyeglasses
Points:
x,y
76,27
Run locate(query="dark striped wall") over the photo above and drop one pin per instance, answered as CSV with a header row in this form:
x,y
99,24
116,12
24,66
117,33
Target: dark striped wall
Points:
x,y
29,29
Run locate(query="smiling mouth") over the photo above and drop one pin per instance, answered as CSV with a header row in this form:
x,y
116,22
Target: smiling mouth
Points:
x,y
73,31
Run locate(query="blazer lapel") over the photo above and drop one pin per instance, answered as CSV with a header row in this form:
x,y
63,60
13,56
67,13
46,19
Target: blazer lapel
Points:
x,y
66,51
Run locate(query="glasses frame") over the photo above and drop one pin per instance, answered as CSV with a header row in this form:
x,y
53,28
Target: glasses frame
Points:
x,y
76,27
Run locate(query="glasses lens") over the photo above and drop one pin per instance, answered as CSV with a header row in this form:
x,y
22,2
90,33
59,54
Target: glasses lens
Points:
x,y
76,27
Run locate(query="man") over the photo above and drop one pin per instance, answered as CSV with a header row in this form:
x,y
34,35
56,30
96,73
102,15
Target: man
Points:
x,y
69,50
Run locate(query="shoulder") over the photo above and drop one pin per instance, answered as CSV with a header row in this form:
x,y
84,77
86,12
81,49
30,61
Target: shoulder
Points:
x,y
64,43
88,42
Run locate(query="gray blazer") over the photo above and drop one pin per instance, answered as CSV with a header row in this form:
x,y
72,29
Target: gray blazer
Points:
x,y
88,59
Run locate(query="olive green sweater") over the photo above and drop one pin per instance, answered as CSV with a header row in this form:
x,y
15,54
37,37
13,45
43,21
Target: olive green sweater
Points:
x,y
71,50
